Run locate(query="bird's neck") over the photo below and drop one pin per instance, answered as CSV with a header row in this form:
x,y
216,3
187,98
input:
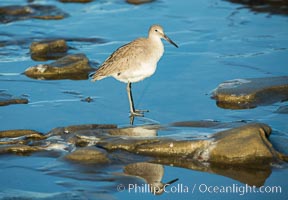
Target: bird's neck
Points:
x,y
157,45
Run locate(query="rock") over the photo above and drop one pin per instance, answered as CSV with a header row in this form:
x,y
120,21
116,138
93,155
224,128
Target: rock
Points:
x,y
21,132
270,6
19,149
81,135
15,12
75,67
282,110
137,2
244,145
48,49
7,99
139,131
88,155
75,1
249,93
208,124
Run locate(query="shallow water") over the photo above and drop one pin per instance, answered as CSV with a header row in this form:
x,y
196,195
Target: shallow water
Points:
x,y
218,41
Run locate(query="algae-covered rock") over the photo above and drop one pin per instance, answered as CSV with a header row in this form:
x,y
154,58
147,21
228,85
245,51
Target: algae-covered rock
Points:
x,y
76,67
249,93
7,99
17,12
91,155
48,49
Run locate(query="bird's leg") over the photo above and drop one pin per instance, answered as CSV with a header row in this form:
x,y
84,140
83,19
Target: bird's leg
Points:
x,y
133,112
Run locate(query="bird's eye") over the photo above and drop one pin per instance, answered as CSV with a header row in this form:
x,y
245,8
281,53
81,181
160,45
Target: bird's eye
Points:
x,y
156,30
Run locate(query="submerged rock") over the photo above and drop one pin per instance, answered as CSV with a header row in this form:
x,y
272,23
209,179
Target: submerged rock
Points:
x,y
7,99
75,67
250,93
15,12
88,155
137,2
75,1
270,6
48,49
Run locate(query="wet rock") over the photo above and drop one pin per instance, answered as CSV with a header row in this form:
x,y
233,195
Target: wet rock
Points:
x,y
249,93
137,2
75,67
74,129
243,145
81,135
269,6
88,155
21,132
208,124
15,13
282,110
139,131
48,49
7,99
19,149
75,1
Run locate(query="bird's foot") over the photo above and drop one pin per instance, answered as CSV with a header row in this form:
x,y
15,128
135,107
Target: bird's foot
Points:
x,y
138,113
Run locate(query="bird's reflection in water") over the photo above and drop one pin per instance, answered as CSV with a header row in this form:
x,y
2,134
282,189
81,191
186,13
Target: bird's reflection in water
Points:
x,y
152,175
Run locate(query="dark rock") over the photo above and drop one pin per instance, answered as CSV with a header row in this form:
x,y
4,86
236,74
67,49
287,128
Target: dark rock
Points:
x,y
75,1
208,124
15,12
249,93
7,99
269,6
48,49
75,67
88,155
282,110
137,2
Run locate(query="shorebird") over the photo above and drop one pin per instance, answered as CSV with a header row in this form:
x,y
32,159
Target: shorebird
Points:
x,y
134,62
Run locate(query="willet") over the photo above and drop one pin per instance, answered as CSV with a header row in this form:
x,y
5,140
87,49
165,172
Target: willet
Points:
x,y
134,62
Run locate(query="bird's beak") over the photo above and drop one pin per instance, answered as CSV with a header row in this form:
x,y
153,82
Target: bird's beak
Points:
x,y
174,180
169,40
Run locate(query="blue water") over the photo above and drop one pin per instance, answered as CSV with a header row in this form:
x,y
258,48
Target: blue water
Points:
x,y
218,42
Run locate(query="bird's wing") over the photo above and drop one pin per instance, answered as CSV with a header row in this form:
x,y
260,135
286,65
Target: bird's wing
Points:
x,y
120,59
